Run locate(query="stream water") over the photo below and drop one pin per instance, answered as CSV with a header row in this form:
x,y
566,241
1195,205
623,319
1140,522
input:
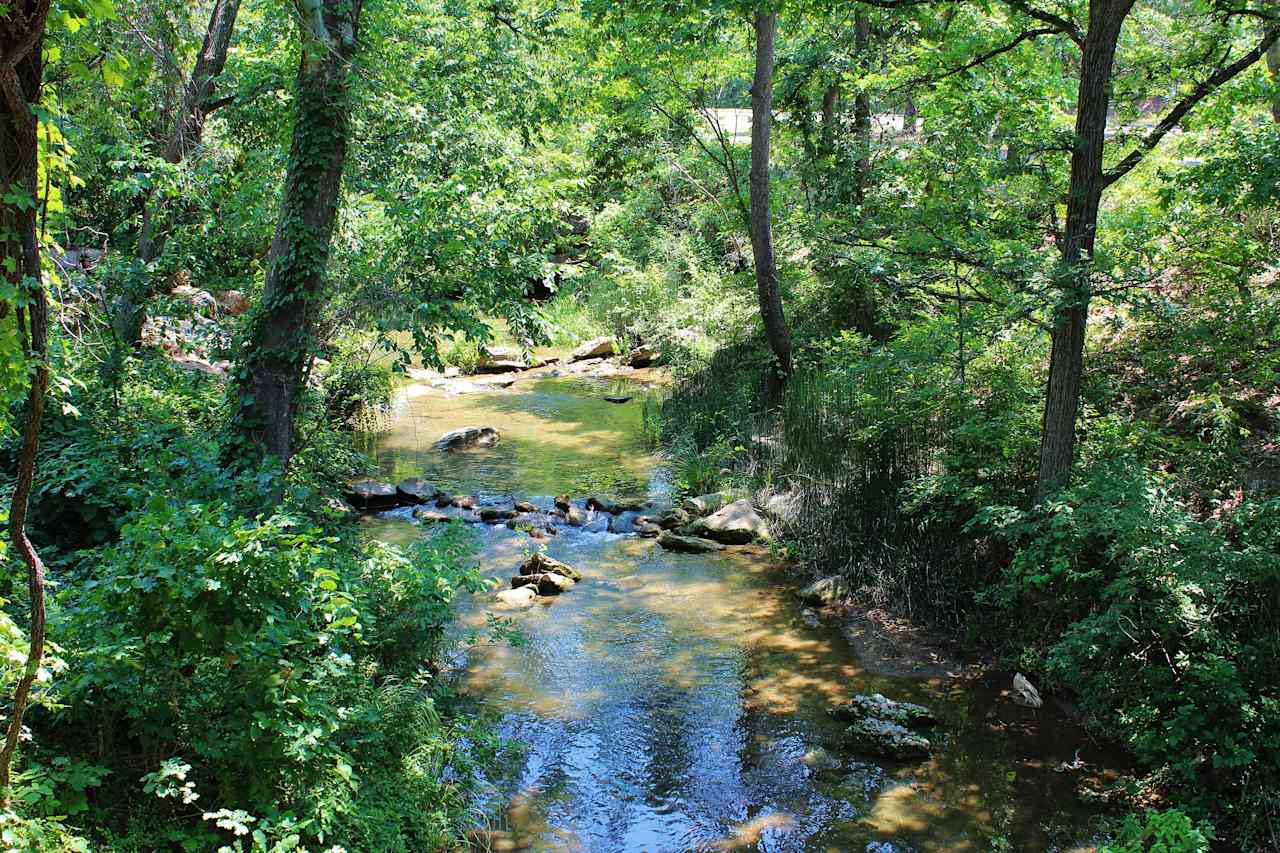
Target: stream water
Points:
x,y
676,702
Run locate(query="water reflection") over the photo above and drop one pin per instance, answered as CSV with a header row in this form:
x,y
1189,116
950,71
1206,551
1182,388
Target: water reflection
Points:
x,y
677,702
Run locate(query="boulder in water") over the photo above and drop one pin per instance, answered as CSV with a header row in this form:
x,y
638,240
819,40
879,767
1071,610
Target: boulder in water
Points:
x,y
596,348
575,516
518,598
874,736
470,436
464,502
907,714
642,356
617,399
416,490
674,518
525,506
687,544
542,564
494,514
604,505
371,495
1025,693
647,529
444,499
735,524
546,584
563,503
825,591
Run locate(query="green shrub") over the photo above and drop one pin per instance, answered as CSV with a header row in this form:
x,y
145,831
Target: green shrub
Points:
x,y
1166,625
1161,832
356,393
464,354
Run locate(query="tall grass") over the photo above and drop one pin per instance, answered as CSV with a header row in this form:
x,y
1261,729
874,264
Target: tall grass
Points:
x,y
847,447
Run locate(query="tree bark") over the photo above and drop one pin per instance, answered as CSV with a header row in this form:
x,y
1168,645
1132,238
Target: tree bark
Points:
x,y
1066,360
21,70
1273,69
862,106
188,129
280,340
771,313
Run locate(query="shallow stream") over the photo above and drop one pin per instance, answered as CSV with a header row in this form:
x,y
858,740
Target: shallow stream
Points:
x,y
677,702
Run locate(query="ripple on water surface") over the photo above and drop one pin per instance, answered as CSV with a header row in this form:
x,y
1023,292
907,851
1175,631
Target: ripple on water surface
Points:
x,y
677,702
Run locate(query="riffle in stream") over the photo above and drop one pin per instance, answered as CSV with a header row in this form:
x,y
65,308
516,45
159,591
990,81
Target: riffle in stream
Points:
x,y
677,702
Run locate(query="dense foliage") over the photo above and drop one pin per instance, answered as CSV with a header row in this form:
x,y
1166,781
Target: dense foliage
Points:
x,y
229,664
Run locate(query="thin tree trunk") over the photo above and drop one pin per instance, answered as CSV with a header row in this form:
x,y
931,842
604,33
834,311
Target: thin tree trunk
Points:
x,y
1273,68
21,70
1066,360
862,106
188,129
771,313
281,337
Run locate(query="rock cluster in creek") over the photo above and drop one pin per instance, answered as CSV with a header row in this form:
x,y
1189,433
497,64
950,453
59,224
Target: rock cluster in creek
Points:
x,y
540,577
885,727
710,522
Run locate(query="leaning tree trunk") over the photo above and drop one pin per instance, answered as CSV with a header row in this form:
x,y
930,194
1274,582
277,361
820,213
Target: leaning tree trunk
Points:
x,y
188,128
1066,360
21,69
775,321
280,340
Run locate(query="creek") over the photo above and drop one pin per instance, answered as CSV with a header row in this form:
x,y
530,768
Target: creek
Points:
x,y
675,702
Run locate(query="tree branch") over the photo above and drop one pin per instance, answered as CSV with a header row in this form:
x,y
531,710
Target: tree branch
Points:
x,y
1179,112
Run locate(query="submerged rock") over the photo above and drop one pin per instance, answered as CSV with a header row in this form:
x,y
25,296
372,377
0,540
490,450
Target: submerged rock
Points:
x,y
430,516
877,706
444,499
595,348
542,564
416,490
825,591
687,544
735,524
371,495
470,436
875,736
617,399
1025,693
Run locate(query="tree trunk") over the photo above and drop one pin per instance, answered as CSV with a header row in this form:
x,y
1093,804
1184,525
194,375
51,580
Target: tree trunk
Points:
x,y
775,321
280,341
188,128
1066,360
1273,68
830,118
862,106
21,69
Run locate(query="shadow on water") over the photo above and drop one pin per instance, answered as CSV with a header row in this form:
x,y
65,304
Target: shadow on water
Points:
x,y
678,702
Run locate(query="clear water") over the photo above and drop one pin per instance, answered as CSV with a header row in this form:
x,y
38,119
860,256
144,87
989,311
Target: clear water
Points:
x,y
676,702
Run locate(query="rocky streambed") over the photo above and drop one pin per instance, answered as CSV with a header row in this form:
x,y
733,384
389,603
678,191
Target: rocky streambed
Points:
x,y
673,691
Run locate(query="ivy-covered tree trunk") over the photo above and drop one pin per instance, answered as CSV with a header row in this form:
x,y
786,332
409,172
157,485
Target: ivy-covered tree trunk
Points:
x,y
1066,361
771,313
280,339
129,312
26,313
